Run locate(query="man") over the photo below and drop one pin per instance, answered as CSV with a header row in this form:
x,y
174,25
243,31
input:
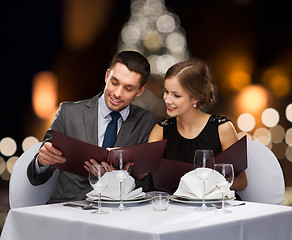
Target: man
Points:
x,y
87,121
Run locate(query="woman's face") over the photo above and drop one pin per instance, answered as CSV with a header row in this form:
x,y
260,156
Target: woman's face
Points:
x,y
177,100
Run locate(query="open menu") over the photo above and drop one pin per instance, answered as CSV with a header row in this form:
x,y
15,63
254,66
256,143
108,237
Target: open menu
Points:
x,y
146,156
168,176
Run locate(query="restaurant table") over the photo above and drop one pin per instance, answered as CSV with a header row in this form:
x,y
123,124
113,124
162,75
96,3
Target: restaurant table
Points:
x,y
55,221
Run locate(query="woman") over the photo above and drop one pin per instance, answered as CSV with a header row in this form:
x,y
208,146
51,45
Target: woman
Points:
x,y
188,88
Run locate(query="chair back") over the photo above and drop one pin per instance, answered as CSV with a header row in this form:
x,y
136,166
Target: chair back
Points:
x,y
264,175
21,192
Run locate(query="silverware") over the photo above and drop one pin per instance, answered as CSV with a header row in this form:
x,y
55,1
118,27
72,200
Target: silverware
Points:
x,y
83,207
228,204
89,206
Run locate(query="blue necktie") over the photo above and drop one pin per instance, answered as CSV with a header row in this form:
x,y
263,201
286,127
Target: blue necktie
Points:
x,y
110,135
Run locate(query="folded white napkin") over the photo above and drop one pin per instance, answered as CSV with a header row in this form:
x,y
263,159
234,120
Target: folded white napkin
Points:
x,y
112,191
191,186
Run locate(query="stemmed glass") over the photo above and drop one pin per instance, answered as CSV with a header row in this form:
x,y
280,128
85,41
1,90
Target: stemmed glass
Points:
x,y
204,167
226,170
99,179
121,162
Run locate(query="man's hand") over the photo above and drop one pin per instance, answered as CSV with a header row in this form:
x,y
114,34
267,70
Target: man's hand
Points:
x,y
109,168
49,155
94,162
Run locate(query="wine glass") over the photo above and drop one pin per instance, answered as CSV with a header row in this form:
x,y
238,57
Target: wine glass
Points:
x,y
99,179
226,170
204,167
121,163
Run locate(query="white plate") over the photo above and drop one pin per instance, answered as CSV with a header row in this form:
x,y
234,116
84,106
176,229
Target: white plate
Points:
x,y
192,200
135,200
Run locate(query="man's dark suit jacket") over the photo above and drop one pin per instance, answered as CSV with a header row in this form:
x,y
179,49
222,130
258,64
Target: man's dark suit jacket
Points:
x,y
80,120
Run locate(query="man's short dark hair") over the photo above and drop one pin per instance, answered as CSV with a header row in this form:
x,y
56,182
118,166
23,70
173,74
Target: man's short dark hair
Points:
x,y
135,62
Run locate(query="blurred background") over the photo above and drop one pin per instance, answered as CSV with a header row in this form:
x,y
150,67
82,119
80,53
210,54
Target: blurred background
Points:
x,y
53,51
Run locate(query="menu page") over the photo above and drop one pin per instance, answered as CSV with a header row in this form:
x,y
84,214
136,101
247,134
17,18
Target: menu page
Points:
x,y
146,156
168,176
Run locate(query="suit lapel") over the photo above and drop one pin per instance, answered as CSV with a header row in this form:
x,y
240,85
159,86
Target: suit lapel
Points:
x,y
91,120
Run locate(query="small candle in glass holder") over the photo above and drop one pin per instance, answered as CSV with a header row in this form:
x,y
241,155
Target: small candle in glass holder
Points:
x,y
160,202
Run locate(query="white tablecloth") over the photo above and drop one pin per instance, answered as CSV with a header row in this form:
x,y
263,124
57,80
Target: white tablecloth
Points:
x,y
249,222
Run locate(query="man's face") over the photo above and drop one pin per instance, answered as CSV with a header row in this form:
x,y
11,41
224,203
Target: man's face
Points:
x,y
122,86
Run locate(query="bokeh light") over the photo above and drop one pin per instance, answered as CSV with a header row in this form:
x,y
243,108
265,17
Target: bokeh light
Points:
x,y
289,153
151,9
270,145
130,34
83,22
239,79
44,94
288,137
277,81
235,68
10,163
270,117
253,99
175,42
165,23
153,40
29,141
263,135
279,149
5,175
2,165
164,62
140,23
278,133
153,62
246,122
136,7
8,146
280,85
288,112
242,134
